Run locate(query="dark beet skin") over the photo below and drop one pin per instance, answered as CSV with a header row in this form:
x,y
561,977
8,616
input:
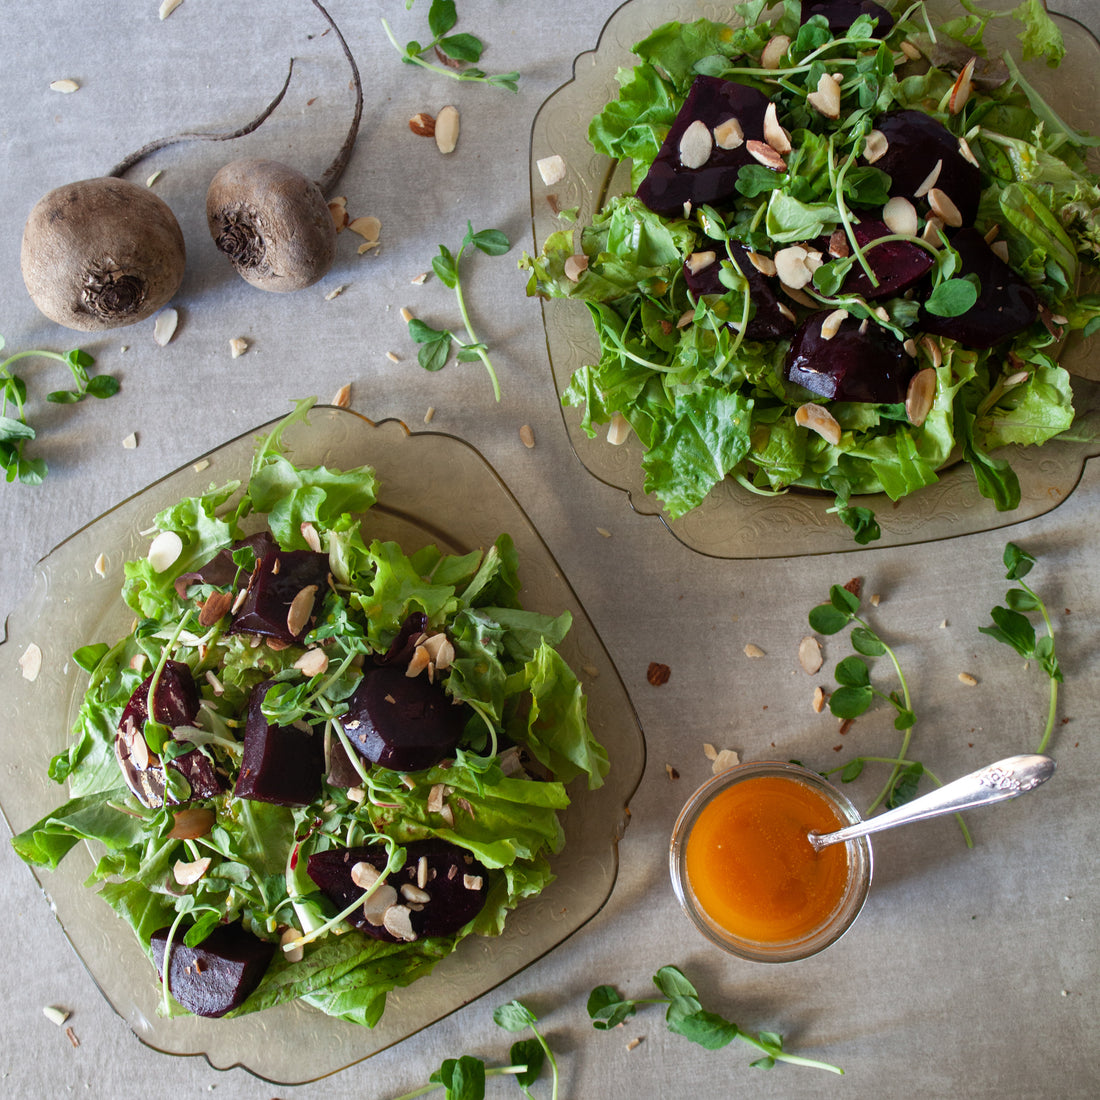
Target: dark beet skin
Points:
x,y
402,647
768,322
866,366
278,577
897,264
841,14
453,904
221,570
403,723
668,184
279,764
1006,304
915,142
219,974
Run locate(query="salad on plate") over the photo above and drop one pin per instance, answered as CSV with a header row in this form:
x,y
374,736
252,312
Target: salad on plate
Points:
x,y
316,763
851,248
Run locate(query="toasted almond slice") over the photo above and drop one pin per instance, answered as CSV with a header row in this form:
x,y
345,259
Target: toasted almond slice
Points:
x,y
342,397
237,347
728,135
764,154
191,822
164,550
819,699
792,267
187,873
709,751
774,134
929,181
931,234
309,533
910,347
725,760
416,894
100,565
164,327
826,100
875,146
446,129
786,311
293,952
552,169
435,798
920,396
968,679
418,662
809,654
900,216
338,208
64,86
312,663
699,261
364,875
831,325
378,904
944,208
933,350
30,662
440,650
472,882
764,264
960,90
819,420
575,266
618,430
967,152
910,49
301,607
1000,250
214,607
753,651
771,57
397,920
368,227
696,144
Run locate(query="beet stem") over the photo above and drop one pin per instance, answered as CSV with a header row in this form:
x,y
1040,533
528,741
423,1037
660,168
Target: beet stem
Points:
x,y
336,169
125,165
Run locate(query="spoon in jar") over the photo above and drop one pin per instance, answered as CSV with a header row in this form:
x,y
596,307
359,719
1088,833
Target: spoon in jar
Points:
x,y
994,783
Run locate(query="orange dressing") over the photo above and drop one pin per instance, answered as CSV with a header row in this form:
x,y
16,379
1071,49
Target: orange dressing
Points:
x,y
751,868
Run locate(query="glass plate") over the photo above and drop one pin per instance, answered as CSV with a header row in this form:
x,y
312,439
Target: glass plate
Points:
x,y
733,522
433,489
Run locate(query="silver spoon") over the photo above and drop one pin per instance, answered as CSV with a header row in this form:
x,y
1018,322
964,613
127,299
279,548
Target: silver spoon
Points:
x,y
994,783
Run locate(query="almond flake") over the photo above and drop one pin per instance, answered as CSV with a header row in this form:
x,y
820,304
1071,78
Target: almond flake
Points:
x,y
764,154
709,751
301,607
237,347
422,872
960,90
100,566
944,208
966,678
342,397
809,654
728,135
910,49
831,325
56,1015
920,396
187,873
435,798
415,894
774,134
819,700
967,152
406,314
699,261
875,146
312,663
929,181
30,662
819,420
164,328
527,436
309,533
338,208
552,169
214,607
472,882
65,87
671,772
154,177
419,661
167,7
932,231
618,430
900,216
429,416
292,951
826,100
696,144
130,442
1000,250
725,760
771,57
575,266
379,904
753,651
164,550
199,466
764,264
336,292
397,920
367,227
792,267
422,124
446,129
364,875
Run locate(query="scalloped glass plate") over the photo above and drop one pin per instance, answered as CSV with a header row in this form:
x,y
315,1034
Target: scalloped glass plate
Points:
x,y
433,489
733,522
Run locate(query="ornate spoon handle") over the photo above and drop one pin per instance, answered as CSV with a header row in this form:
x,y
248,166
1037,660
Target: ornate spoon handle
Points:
x,y
1005,779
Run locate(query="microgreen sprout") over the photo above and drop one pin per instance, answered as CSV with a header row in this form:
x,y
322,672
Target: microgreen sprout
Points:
x,y
15,432
686,1016
457,51
1012,627
435,344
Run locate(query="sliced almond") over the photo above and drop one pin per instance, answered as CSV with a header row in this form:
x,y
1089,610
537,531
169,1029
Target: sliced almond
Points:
x,y
960,90
764,154
968,679
725,760
699,261
696,144
618,430
64,86
809,654
575,266
819,700
944,208
439,648
312,663
910,49
422,872
792,267
397,920
418,662
338,208
774,134
771,57
167,7
920,396
931,233
446,129
164,551
709,751
786,311
187,873
552,169
933,350
826,100
100,565
378,904
435,798
967,152
415,894
472,882
237,347
422,124
309,533
929,181
292,952
900,216
214,607
364,875
831,325
819,420
764,264
1000,250
30,662
527,436
728,134
753,651
875,145
164,327
301,607
368,227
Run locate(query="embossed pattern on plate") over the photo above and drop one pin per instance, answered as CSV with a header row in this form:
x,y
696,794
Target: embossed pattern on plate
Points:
x,y
732,522
428,484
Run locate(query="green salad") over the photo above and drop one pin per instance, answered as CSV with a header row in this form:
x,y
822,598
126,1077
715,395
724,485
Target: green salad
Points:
x,y
220,762
850,250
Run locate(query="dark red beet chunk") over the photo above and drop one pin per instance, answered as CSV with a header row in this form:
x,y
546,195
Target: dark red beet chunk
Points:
x,y
219,974
221,570
457,884
853,366
1006,304
279,764
279,576
401,648
668,184
768,322
403,723
841,14
897,264
175,702
915,143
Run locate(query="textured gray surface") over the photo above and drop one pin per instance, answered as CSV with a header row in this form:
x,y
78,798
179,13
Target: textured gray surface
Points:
x,y
970,973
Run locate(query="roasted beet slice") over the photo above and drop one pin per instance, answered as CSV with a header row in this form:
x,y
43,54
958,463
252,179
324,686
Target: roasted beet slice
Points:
x,y
456,885
221,570
916,142
768,322
841,14
219,974
401,648
279,577
1006,304
712,101
854,365
897,264
280,764
175,702
405,723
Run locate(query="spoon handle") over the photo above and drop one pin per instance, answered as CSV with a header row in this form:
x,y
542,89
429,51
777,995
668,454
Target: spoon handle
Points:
x,y
1005,779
